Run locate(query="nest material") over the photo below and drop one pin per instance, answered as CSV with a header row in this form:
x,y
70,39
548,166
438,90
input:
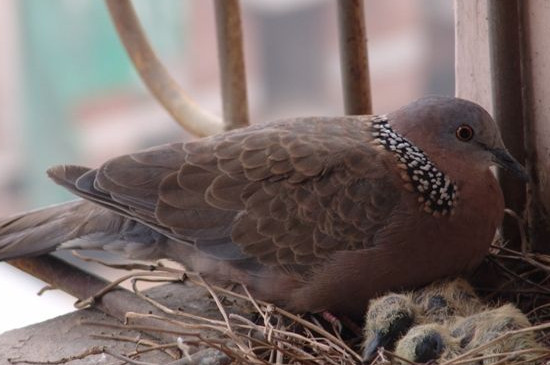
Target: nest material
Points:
x,y
275,336
261,333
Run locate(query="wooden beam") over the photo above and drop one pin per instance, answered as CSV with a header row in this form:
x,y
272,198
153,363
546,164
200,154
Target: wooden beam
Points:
x,y
472,65
514,79
534,15
82,285
508,109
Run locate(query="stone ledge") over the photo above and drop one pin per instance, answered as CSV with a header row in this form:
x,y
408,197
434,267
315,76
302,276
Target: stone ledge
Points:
x,y
64,336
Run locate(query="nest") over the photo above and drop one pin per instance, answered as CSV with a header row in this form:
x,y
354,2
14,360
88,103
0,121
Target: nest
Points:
x,y
245,330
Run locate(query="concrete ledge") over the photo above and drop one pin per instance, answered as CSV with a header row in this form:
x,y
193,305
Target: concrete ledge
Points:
x,y
65,337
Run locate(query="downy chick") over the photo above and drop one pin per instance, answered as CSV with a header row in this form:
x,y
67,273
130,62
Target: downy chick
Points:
x,y
391,316
444,342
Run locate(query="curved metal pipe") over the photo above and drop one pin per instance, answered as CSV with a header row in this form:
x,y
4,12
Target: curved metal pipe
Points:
x,y
185,111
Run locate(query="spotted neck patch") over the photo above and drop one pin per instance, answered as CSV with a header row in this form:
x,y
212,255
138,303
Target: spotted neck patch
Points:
x,y
437,194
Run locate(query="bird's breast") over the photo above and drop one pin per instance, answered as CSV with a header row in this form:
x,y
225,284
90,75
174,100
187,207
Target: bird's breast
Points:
x,y
416,248
479,213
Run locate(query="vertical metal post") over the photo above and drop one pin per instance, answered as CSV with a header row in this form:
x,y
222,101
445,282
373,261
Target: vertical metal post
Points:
x,y
231,60
353,57
505,51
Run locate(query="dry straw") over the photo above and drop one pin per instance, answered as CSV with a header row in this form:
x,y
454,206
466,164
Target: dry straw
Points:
x,y
266,334
277,336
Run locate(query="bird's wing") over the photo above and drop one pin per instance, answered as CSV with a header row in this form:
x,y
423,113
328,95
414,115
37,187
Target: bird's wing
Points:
x,y
287,193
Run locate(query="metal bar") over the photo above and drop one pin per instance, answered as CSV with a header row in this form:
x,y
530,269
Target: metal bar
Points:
x,y
353,57
232,65
155,76
505,49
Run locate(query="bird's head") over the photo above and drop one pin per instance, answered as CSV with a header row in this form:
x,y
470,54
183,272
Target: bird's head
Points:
x,y
426,343
453,128
447,298
387,319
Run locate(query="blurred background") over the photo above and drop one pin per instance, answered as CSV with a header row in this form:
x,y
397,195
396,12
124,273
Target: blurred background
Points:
x,y
69,94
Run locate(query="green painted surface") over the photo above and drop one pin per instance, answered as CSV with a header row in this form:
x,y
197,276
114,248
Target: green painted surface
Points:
x,y
71,53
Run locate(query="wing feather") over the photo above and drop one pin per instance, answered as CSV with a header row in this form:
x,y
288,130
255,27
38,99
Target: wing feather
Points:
x,y
287,193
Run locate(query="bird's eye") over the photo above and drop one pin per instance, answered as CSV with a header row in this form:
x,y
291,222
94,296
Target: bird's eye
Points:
x,y
464,133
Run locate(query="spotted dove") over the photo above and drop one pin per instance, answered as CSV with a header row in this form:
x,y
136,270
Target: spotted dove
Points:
x,y
311,213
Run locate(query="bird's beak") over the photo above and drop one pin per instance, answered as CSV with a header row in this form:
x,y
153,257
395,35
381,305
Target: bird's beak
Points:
x,y
430,348
370,349
504,159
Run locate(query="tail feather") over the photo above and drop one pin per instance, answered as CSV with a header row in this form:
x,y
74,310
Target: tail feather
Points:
x,y
66,175
43,230
78,224
40,231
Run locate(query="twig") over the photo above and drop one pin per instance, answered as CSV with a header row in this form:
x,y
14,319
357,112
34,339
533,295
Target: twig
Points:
x,y
521,227
125,266
112,285
152,345
507,270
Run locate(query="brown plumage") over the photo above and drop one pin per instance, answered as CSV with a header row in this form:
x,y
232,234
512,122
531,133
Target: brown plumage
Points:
x,y
434,341
391,316
312,213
